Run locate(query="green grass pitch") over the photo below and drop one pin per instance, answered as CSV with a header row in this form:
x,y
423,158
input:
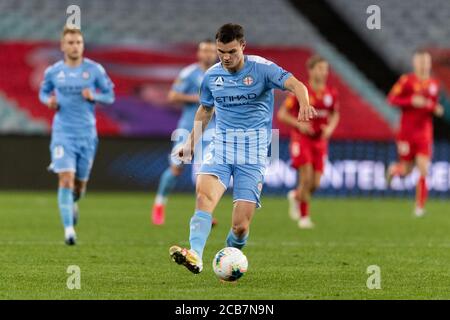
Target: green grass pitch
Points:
x,y
122,256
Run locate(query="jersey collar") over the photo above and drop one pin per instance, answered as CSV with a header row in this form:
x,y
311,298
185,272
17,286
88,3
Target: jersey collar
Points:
x,y
244,68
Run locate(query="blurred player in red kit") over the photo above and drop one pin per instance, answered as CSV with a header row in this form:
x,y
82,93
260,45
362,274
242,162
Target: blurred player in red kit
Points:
x,y
416,95
309,140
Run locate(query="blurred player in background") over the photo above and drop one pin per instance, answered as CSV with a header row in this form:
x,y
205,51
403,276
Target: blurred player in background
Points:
x,y
240,90
309,140
185,92
416,94
72,87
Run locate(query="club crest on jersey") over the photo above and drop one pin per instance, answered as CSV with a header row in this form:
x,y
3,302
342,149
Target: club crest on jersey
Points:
x,y
248,80
260,186
85,75
61,75
328,100
433,89
219,81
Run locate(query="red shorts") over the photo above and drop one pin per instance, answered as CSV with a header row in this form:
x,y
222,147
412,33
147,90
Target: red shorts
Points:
x,y
408,149
306,150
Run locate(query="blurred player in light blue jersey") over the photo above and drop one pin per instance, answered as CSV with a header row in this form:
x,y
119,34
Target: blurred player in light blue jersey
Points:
x,y
240,90
72,87
184,91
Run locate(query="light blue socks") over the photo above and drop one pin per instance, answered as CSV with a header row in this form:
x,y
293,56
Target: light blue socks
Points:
x,y
234,241
200,227
65,203
166,183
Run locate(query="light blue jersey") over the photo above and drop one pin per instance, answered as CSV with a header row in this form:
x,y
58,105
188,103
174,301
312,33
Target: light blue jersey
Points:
x,y
244,105
74,133
75,116
188,82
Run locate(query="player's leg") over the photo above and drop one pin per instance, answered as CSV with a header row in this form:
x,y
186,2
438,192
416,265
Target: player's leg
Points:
x,y
422,163
65,204
240,225
306,173
312,176
86,150
78,192
167,182
400,169
405,164
316,181
296,160
209,190
247,187
64,165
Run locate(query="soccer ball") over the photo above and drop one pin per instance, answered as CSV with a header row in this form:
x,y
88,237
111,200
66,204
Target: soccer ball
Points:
x,y
230,264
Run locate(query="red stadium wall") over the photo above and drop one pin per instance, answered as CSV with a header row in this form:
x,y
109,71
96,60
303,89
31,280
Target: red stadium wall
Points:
x,y
142,77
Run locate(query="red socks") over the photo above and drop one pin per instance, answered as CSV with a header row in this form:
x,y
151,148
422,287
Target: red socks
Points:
x,y
304,209
421,192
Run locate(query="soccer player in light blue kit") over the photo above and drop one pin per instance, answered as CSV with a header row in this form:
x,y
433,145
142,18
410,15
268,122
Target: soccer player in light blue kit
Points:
x,y
73,87
184,91
240,89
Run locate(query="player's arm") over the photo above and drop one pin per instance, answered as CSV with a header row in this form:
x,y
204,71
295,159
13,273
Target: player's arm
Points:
x,y
284,115
182,98
306,111
46,95
333,121
281,79
439,110
398,97
434,106
105,88
202,118
333,118
180,91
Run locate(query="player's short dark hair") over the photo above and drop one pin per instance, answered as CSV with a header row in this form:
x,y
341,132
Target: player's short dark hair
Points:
x,y
230,32
313,60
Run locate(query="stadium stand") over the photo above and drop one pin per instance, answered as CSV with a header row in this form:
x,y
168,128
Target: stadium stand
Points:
x,y
402,29
13,120
109,26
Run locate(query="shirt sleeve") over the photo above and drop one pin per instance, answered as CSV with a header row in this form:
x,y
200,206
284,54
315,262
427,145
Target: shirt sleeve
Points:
x,y
275,75
105,87
47,86
182,84
206,97
397,97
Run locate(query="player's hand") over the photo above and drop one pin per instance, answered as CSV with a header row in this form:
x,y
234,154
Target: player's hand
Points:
x,y
87,94
439,110
52,103
419,101
306,113
326,132
305,128
184,153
